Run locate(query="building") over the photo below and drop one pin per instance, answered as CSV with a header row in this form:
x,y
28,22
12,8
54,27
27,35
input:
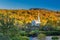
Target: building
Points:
x,y
36,22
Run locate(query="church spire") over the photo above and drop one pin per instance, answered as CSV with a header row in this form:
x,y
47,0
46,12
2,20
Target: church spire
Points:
x,y
36,22
39,17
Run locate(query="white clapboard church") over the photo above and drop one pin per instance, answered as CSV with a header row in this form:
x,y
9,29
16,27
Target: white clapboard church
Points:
x,y
36,22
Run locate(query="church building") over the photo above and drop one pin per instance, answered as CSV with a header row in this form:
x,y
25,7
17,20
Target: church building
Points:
x,y
36,22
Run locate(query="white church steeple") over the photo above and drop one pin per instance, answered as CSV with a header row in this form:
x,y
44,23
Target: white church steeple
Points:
x,y
36,22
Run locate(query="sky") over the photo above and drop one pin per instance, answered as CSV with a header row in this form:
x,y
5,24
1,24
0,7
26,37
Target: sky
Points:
x,y
27,4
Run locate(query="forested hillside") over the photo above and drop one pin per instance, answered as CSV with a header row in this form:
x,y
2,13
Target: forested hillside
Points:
x,y
28,15
16,24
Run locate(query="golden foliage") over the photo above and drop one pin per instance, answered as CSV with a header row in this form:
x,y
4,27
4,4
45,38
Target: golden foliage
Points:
x,y
29,15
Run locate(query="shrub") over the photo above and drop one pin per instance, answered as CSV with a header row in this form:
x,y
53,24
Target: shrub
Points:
x,y
41,36
24,38
55,38
23,33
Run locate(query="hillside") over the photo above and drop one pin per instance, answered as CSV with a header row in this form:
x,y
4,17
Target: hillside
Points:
x,y
29,15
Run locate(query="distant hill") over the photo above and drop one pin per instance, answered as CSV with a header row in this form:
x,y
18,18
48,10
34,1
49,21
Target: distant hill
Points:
x,y
31,14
